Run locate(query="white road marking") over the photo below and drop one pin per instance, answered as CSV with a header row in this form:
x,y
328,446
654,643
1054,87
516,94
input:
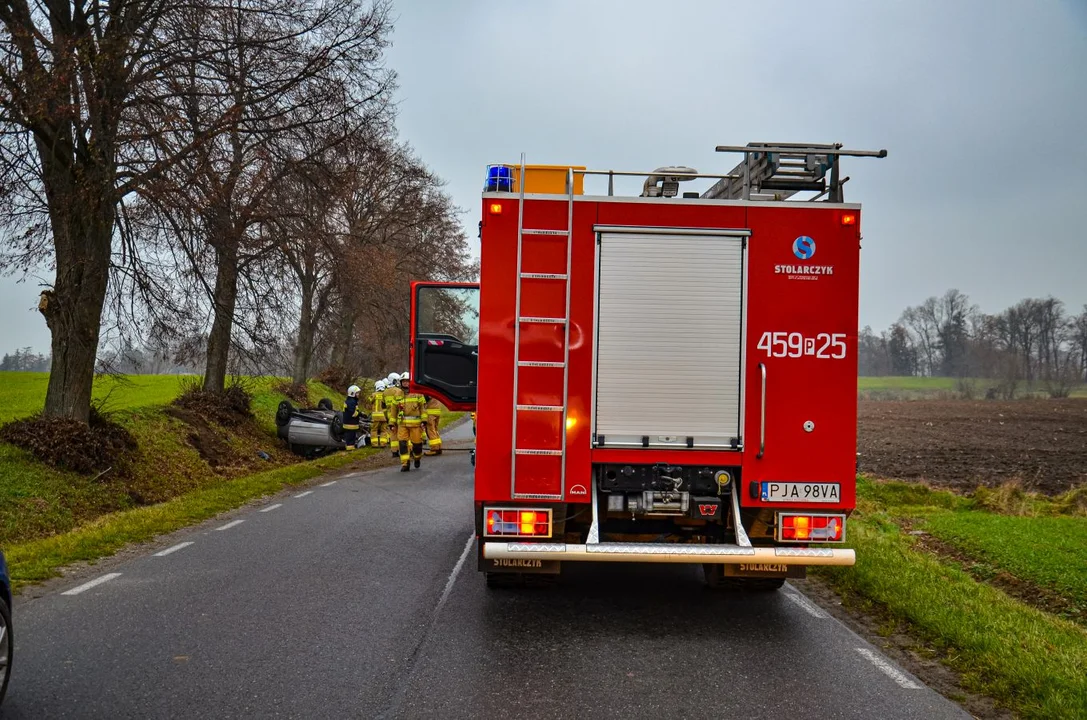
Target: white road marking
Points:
x,y
888,669
327,484
270,508
175,548
93,583
230,525
806,605
304,494
453,575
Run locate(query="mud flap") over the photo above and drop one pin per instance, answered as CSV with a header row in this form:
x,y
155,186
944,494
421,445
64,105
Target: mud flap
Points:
x,y
540,567
765,570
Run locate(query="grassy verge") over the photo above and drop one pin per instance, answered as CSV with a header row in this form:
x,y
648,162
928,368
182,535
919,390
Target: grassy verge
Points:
x,y
75,502
1026,658
40,559
174,455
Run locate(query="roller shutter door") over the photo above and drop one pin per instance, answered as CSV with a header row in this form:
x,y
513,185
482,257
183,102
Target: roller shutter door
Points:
x,y
669,339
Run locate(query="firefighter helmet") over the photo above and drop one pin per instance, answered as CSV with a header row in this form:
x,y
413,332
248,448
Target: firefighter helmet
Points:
x,y
353,391
393,379
406,377
380,385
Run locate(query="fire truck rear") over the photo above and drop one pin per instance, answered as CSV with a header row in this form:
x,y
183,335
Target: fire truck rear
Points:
x,y
667,378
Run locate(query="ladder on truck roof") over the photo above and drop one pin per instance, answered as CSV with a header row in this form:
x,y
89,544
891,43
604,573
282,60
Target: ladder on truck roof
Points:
x,y
559,405
776,171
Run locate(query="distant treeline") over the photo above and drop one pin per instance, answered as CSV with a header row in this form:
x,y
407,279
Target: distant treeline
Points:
x,y
1036,342
24,359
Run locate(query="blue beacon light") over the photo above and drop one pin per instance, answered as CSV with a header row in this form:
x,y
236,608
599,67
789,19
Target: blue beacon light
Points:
x,y
499,179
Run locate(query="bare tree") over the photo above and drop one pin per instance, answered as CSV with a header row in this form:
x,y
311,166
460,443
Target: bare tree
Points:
x,y
1079,341
307,237
873,358
77,102
295,70
903,354
398,226
953,311
924,325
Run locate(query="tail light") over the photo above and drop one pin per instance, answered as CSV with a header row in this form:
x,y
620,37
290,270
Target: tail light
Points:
x,y
517,522
810,527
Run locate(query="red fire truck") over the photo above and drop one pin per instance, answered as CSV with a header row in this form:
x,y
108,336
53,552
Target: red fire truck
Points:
x,y
666,378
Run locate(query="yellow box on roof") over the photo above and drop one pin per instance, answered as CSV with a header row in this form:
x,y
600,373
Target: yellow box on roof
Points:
x,y
547,179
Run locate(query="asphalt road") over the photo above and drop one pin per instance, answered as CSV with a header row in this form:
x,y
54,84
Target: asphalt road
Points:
x,y
360,599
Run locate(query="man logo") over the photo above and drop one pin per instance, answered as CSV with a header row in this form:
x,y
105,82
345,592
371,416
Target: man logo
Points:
x,y
804,247
707,510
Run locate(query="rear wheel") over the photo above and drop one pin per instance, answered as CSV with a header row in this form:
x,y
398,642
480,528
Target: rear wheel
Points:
x,y
715,578
759,584
496,581
324,404
283,413
7,647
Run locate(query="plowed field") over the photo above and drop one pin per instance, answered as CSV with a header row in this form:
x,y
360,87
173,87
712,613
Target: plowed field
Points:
x,y
963,444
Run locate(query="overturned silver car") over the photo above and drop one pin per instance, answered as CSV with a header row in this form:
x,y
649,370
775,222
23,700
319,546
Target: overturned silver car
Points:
x,y
312,432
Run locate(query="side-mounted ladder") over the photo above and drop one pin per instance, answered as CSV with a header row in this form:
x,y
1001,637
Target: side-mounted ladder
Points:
x,y
529,485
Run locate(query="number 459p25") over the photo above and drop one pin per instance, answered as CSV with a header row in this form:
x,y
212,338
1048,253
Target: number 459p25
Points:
x,y
825,346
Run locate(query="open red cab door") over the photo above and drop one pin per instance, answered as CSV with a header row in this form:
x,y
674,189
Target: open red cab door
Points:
x,y
445,342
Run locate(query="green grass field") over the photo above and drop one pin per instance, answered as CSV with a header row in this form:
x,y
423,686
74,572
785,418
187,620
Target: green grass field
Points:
x,y
917,388
1047,552
906,383
23,393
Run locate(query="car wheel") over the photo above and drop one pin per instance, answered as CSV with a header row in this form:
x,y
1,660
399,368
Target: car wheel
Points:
x,y
7,647
715,578
283,413
324,404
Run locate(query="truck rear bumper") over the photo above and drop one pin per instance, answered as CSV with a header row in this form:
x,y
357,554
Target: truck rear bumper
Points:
x,y
667,553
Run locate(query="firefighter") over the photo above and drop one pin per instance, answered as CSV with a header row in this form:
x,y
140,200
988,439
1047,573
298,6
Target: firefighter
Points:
x,y
409,424
378,421
351,415
433,417
391,397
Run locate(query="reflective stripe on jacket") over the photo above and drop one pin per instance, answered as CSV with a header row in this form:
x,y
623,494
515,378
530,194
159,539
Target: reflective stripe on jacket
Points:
x,y
377,407
412,406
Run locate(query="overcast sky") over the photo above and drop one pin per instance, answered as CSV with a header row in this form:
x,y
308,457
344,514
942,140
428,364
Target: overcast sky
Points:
x,y
982,107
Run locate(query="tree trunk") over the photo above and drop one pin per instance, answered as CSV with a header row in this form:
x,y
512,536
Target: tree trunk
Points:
x,y
81,216
303,349
225,298
341,341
